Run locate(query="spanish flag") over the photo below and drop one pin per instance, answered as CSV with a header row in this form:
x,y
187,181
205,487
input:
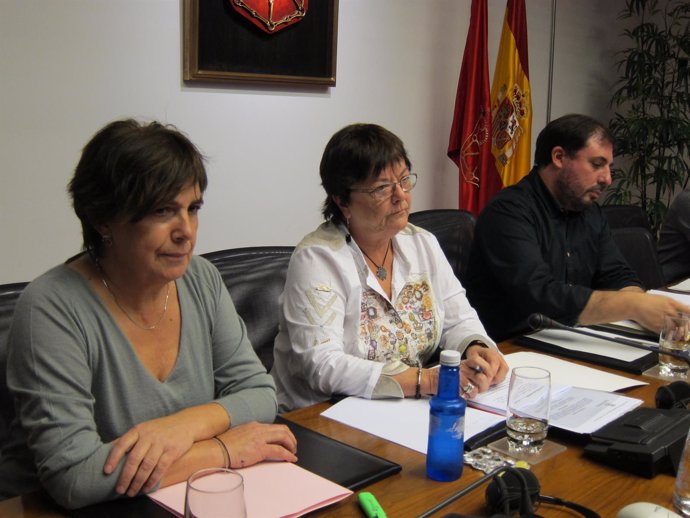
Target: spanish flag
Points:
x,y
511,99
470,146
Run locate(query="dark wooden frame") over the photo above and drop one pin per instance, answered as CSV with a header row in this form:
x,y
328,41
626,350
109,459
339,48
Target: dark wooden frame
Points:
x,y
219,45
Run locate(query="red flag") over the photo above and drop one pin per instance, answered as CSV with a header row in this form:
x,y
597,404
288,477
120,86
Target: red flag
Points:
x,y
470,145
511,98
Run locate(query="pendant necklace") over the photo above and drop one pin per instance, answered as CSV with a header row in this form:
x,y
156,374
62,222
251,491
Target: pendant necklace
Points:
x,y
145,328
381,272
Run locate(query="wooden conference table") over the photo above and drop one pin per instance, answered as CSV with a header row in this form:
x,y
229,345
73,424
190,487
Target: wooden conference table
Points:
x,y
409,493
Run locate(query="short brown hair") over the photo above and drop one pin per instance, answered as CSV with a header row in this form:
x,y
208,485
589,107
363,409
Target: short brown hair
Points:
x,y
126,170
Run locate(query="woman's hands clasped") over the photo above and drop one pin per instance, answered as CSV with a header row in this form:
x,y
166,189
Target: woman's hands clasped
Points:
x,y
152,447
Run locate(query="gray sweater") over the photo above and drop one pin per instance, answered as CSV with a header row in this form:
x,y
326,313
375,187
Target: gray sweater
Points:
x,y
78,383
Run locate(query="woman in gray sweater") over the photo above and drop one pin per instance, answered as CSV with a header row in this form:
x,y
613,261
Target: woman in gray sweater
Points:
x,y
129,365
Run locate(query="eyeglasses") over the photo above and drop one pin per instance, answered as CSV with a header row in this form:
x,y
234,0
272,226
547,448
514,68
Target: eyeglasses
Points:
x,y
385,191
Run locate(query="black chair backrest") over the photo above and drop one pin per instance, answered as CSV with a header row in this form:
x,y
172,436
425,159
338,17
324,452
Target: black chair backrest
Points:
x,y
255,278
639,248
9,293
454,230
621,216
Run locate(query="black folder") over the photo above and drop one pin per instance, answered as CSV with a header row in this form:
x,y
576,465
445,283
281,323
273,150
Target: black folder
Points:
x,y
337,461
638,366
491,434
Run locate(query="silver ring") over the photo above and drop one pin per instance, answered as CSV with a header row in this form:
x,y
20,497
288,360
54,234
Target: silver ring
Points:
x,y
468,388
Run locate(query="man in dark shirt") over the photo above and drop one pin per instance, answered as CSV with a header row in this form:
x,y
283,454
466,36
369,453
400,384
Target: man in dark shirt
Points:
x,y
544,245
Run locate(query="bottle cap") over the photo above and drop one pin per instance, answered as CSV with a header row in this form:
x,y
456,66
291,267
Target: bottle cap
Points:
x,y
450,358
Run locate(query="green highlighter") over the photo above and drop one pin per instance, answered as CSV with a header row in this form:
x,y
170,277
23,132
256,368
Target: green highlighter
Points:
x,y
370,505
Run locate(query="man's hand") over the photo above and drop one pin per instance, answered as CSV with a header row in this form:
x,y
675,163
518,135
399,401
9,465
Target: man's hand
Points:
x,y
652,309
630,304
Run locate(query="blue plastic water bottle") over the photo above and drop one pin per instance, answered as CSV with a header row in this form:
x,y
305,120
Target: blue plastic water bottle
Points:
x,y
444,456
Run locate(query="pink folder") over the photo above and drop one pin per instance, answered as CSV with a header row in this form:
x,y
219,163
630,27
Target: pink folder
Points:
x,y
271,490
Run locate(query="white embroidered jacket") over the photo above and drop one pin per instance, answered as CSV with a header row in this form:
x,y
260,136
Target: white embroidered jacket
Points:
x,y
339,332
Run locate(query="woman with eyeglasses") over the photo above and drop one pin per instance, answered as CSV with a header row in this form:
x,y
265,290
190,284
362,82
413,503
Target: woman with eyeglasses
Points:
x,y
370,297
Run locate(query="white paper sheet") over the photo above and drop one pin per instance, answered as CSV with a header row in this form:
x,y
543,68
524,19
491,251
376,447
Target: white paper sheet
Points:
x,y
575,409
680,297
585,411
591,345
568,373
402,421
683,285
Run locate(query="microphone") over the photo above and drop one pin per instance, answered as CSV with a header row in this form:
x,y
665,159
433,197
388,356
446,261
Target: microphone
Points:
x,y
348,238
537,321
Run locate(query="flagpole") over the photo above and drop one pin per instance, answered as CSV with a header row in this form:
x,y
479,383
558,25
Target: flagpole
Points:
x,y
551,54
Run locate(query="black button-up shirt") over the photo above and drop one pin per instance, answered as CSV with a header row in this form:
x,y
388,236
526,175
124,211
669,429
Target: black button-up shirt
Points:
x,y
531,256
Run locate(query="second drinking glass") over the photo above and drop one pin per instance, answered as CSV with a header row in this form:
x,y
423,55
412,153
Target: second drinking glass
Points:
x,y
527,414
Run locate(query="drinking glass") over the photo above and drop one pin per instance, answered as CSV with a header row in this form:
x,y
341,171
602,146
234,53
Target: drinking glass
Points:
x,y
674,336
215,493
527,415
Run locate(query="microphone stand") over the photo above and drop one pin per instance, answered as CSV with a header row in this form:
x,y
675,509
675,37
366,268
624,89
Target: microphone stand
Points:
x,y
540,322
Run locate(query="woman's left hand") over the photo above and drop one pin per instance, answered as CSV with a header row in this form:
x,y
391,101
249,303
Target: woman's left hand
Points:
x,y
254,442
482,368
151,448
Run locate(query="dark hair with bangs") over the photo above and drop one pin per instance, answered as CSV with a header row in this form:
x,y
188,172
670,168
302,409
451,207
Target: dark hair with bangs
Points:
x,y
354,154
129,169
571,132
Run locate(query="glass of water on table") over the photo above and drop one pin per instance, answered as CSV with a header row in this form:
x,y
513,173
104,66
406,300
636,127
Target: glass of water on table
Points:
x,y
674,337
527,413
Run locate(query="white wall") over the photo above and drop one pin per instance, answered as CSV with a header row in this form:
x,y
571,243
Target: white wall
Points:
x,y
67,67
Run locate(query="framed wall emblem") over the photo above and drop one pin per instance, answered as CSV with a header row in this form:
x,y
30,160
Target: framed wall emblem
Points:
x,y
272,15
273,41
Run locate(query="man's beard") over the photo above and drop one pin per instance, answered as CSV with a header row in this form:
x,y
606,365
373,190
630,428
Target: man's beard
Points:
x,y
570,200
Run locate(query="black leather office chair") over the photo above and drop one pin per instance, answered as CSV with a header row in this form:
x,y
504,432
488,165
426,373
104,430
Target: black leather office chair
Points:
x,y
9,293
255,277
622,216
454,230
639,248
